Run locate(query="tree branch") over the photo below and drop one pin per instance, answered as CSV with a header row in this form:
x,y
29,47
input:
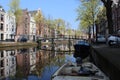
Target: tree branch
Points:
x,y
104,1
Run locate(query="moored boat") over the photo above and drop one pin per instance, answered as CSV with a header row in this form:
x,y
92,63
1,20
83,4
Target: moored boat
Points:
x,y
82,49
85,71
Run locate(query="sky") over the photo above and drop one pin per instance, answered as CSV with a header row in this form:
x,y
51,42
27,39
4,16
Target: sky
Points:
x,y
64,9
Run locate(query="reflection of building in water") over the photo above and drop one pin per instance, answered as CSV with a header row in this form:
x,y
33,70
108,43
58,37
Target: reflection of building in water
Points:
x,y
26,60
32,52
42,56
62,47
7,63
23,61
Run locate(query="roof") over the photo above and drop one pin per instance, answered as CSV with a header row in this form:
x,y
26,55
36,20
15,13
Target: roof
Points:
x,y
33,12
1,9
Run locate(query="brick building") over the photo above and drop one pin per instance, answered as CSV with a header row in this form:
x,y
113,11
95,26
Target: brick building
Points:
x,y
24,25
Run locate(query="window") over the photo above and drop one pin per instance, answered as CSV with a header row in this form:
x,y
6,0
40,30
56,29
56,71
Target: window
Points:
x,y
6,52
12,28
2,17
7,36
1,26
2,54
12,60
7,62
7,27
2,36
26,19
2,72
2,63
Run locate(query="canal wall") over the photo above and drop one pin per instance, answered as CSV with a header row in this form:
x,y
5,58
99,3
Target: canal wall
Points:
x,y
16,44
107,60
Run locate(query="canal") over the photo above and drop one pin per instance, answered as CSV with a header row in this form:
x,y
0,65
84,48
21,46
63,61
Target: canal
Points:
x,y
31,63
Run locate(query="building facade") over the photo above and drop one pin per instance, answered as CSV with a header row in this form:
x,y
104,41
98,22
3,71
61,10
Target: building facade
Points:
x,y
7,26
2,23
32,29
10,27
24,26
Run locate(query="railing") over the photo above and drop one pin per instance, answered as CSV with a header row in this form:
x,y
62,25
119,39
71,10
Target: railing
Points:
x,y
64,37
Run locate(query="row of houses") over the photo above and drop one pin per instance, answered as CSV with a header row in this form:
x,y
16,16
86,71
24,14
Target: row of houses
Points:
x,y
102,27
26,28
8,30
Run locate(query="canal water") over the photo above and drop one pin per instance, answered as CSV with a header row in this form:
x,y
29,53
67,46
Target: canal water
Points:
x,y
31,63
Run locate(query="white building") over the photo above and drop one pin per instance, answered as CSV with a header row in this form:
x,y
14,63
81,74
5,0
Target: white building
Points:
x,y
32,29
2,23
10,27
7,25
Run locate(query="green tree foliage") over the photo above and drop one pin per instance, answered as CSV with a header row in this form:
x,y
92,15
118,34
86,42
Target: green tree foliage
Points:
x,y
108,6
60,25
14,6
78,33
101,16
87,13
50,24
69,30
39,19
57,25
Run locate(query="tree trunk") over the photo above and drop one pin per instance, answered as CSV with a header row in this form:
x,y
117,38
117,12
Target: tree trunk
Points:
x,y
40,29
96,31
89,34
93,31
109,17
16,32
108,5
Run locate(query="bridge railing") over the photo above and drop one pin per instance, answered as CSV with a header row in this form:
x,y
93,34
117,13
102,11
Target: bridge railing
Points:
x,y
65,37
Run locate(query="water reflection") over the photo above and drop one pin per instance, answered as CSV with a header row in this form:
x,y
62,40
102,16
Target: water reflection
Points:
x,y
30,63
57,47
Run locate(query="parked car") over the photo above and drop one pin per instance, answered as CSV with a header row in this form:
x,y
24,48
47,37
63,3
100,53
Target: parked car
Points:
x,y
114,40
22,39
101,39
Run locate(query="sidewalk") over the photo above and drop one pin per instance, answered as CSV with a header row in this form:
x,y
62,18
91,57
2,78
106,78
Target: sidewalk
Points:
x,y
108,59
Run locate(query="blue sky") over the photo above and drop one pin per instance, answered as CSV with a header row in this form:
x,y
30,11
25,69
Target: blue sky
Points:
x,y
64,9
